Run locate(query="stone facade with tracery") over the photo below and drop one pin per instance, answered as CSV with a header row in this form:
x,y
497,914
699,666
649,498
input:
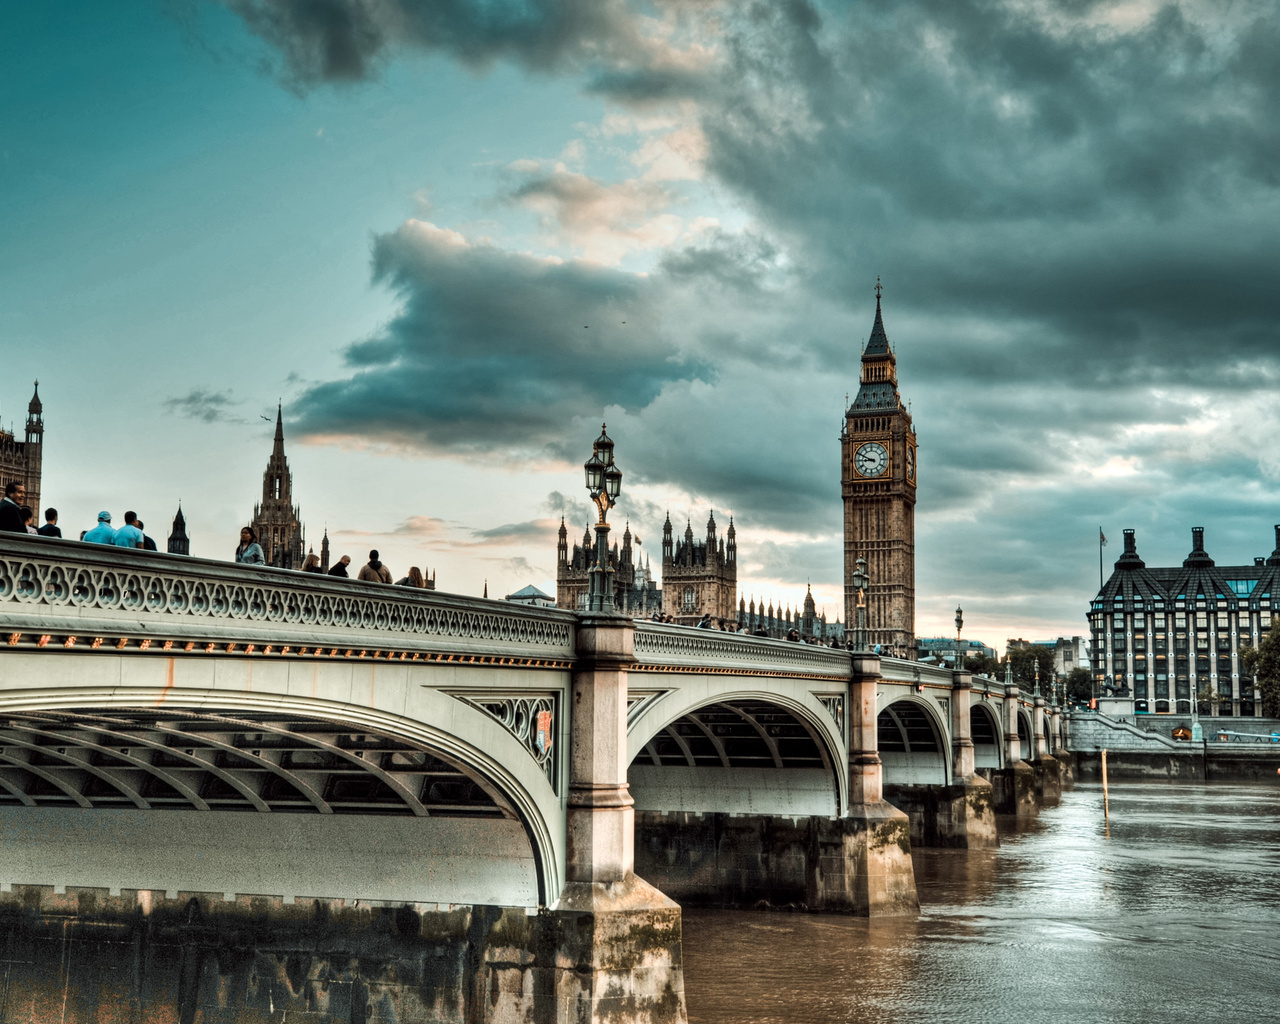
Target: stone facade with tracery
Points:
x,y
275,518
21,460
878,480
700,576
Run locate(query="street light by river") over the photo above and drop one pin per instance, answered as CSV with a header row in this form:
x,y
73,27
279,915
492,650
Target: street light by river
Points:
x,y
604,482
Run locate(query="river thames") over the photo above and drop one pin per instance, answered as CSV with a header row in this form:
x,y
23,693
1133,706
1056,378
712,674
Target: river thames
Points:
x,y
1170,914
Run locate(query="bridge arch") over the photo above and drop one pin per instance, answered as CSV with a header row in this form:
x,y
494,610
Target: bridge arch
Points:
x,y
1026,734
739,751
984,729
913,743
431,801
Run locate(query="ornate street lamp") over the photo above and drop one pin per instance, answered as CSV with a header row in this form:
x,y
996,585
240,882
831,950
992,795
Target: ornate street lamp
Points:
x,y
959,650
861,581
604,482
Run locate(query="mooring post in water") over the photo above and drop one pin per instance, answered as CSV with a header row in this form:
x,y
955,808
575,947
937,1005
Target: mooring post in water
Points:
x,y
1106,802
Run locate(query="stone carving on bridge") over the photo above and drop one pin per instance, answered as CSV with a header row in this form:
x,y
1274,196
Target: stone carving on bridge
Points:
x,y
638,702
834,703
92,588
518,714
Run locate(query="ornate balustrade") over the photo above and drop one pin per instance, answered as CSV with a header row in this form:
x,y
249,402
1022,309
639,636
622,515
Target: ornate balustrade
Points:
x,y
72,594
899,670
659,646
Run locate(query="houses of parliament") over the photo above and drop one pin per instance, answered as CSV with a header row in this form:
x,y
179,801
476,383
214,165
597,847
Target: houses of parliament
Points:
x,y
878,472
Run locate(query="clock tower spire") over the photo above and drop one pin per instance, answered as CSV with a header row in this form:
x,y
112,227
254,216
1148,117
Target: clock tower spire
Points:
x,y
878,483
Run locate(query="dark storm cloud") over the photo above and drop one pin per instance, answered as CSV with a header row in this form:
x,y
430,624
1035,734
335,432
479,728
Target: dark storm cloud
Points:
x,y
1107,192
204,404
346,40
493,349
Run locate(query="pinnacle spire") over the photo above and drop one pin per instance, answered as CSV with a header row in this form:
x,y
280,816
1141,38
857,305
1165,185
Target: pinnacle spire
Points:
x,y
279,427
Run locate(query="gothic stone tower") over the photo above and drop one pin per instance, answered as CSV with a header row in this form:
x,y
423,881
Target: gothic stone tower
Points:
x,y
700,577
275,518
573,572
878,477
21,460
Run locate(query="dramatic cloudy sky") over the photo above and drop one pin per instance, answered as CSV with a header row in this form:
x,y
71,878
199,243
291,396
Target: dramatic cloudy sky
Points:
x,y
452,236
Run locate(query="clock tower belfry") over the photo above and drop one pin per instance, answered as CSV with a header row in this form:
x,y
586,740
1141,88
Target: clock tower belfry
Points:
x,y
878,483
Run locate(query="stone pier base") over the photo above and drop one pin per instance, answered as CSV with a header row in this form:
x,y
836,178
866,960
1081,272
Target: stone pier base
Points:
x,y
618,954
85,956
1014,789
958,816
1048,776
1068,762
857,865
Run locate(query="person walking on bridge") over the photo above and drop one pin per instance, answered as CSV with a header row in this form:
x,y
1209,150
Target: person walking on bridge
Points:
x,y
250,551
414,579
50,528
103,533
15,494
128,536
374,571
339,568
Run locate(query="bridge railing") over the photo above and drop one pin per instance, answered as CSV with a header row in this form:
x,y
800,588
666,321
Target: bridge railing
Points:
x,y
899,670
70,593
665,645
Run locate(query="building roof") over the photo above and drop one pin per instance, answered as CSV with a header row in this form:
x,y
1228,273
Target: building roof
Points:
x,y
1197,577
530,591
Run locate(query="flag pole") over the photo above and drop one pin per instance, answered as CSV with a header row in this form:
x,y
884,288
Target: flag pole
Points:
x,y
1102,539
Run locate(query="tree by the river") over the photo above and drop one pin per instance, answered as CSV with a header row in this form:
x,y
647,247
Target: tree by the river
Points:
x,y
1263,663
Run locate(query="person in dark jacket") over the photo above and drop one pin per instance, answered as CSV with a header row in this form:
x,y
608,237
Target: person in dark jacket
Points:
x,y
15,494
50,528
147,543
340,567
312,564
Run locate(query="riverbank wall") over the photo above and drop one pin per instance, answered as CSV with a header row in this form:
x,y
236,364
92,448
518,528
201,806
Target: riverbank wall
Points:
x,y
1134,752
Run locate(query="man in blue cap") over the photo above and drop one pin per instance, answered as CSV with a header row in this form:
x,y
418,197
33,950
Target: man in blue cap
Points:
x,y
102,533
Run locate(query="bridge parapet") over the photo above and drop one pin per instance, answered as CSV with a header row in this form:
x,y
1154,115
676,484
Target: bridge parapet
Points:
x,y
659,645
899,670
76,594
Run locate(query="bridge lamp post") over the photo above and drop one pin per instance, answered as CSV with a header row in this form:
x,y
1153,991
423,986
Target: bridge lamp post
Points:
x,y
861,581
959,627
604,481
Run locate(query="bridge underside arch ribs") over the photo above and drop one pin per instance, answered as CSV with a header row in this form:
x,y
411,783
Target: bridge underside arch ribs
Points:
x,y
986,738
1025,734
294,804
911,748
245,761
737,756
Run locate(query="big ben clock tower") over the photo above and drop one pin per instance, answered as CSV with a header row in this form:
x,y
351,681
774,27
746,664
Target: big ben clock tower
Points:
x,y
878,477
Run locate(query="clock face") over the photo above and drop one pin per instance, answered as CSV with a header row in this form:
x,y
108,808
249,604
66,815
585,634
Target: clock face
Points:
x,y
871,459
911,463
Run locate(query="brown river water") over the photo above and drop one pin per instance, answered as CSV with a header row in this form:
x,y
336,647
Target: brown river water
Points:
x,y
1170,914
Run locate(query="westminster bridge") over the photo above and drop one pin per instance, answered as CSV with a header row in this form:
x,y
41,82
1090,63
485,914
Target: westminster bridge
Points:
x,y
244,793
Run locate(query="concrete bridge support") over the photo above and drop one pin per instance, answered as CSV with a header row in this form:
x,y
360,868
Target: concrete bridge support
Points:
x,y
960,813
814,843
864,864
1014,785
1047,768
1058,746
619,946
